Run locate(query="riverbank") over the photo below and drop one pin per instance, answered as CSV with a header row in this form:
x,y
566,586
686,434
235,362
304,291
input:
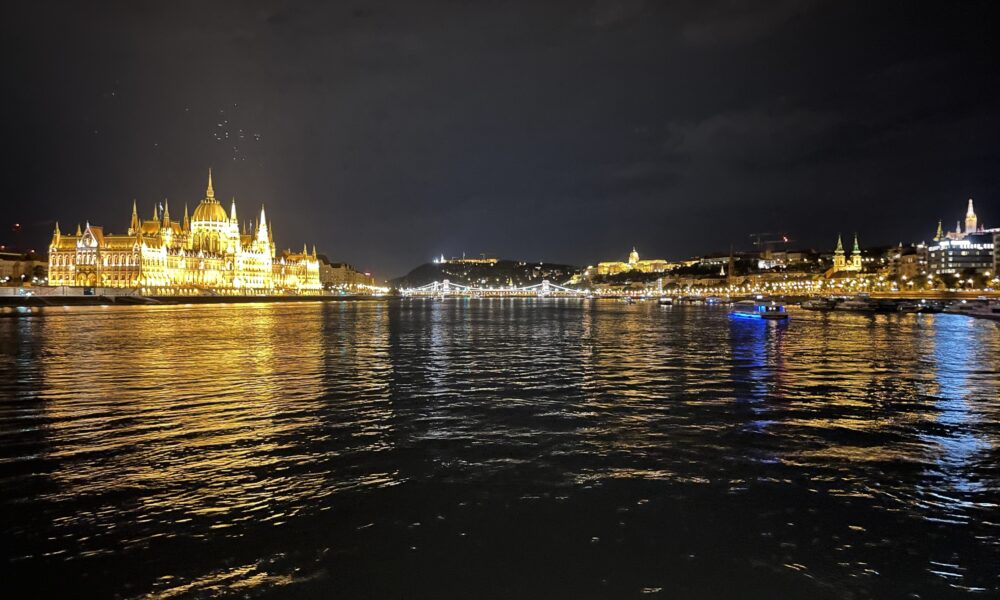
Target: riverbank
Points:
x,y
37,301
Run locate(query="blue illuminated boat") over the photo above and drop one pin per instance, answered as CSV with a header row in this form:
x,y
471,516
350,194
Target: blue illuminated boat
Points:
x,y
759,309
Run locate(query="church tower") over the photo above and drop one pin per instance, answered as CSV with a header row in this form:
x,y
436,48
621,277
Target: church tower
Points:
x,y
856,255
839,261
970,219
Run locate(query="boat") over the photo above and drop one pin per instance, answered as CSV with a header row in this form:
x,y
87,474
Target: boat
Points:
x,y
628,300
820,304
867,305
759,309
921,307
665,301
964,307
980,310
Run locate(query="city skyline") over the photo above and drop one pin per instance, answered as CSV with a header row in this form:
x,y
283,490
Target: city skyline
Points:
x,y
559,132
780,241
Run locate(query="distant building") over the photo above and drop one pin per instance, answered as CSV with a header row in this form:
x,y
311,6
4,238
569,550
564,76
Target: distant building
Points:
x,y
481,260
957,252
343,276
996,255
844,263
657,265
17,268
787,258
908,262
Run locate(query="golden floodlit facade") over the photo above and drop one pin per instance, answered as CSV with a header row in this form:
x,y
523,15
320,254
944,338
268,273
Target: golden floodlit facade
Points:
x,y
655,265
205,252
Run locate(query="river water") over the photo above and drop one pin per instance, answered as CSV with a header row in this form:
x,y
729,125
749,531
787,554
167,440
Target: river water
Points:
x,y
498,449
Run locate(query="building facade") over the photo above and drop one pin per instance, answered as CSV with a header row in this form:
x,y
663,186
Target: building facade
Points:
x,y
204,252
634,263
342,276
959,252
17,268
844,263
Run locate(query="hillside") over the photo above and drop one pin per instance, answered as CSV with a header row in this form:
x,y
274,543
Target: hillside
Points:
x,y
501,273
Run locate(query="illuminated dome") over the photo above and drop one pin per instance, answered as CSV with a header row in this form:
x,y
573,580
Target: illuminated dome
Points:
x,y
209,210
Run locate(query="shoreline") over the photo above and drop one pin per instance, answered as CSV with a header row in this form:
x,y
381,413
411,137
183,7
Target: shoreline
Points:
x,y
61,301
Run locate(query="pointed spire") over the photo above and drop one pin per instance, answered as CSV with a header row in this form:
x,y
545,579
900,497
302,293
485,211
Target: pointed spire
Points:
x,y
134,223
304,249
57,228
970,219
314,250
156,215
840,245
166,212
857,248
187,220
232,211
56,234
209,192
958,227
78,232
940,234
262,233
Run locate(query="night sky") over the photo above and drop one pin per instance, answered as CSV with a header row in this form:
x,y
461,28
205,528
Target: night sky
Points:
x,y
391,132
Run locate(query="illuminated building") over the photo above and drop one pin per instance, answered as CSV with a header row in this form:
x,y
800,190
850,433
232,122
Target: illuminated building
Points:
x,y
343,276
205,252
17,268
481,260
996,255
908,262
842,262
634,264
956,252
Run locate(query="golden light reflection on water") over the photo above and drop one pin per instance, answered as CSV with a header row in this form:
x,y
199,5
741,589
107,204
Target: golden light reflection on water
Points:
x,y
131,428
206,414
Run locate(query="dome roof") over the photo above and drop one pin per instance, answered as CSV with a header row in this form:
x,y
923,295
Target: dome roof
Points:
x,y
209,210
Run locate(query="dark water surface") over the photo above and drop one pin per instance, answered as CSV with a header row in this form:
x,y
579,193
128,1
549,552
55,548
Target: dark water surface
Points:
x,y
498,449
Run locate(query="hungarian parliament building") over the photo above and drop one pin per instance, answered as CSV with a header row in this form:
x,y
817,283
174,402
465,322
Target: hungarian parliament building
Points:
x,y
204,253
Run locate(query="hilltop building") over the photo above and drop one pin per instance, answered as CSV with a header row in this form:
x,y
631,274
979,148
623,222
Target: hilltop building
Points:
x,y
657,265
204,252
482,259
957,252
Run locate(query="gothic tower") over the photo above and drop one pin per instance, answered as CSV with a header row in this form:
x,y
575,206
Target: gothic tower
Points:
x,y
970,219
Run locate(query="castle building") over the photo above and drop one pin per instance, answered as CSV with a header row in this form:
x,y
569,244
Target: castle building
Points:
x,y
842,262
634,264
204,252
958,252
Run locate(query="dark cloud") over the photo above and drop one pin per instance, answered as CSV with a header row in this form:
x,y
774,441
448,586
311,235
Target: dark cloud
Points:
x,y
739,21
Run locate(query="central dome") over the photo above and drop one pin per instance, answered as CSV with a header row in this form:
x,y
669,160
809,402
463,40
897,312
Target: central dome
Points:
x,y
209,210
